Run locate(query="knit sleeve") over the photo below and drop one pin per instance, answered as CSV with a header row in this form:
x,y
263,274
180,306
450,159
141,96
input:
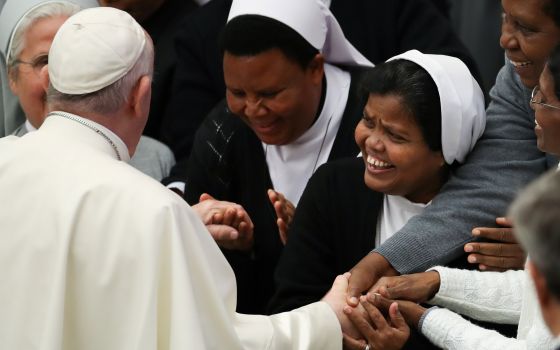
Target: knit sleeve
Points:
x,y
448,330
486,296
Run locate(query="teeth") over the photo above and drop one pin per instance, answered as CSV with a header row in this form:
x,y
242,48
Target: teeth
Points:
x,y
520,64
536,123
377,163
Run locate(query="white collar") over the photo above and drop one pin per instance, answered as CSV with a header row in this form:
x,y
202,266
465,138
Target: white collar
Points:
x,y
29,127
396,212
114,144
290,166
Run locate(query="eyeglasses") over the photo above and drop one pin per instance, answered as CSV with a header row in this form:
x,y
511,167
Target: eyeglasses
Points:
x,y
36,64
536,98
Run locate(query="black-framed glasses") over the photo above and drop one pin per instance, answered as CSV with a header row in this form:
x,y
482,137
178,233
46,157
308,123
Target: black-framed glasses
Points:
x,y
536,98
36,63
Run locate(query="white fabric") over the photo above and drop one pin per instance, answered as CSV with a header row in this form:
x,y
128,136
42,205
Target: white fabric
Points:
x,y
113,260
122,150
290,166
463,114
15,10
312,19
88,54
29,127
507,297
396,212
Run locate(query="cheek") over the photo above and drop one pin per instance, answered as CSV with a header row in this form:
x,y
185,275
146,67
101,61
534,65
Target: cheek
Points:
x,y
360,135
235,105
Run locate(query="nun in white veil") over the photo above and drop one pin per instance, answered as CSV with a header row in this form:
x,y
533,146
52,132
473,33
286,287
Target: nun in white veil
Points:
x,y
11,114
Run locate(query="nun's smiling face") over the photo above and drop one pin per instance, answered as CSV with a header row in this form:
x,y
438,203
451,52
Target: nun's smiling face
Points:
x,y
25,82
272,94
398,160
528,36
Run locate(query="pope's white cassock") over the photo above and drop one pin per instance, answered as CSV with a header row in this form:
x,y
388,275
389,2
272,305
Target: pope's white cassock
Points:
x,y
96,255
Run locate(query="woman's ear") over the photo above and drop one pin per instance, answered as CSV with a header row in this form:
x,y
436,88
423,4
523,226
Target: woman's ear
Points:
x,y
12,81
317,68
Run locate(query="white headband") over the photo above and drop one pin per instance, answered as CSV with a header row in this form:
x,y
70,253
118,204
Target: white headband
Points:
x,y
93,49
13,13
313,20
463,115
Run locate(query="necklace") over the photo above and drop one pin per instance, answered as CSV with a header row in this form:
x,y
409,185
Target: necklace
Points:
x,y
92,127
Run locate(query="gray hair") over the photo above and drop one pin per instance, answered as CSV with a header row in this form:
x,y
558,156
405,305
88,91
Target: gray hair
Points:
x,y
536,218
47,10
110,98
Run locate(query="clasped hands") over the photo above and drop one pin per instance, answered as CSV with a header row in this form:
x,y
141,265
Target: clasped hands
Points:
x,y
382,318
231,226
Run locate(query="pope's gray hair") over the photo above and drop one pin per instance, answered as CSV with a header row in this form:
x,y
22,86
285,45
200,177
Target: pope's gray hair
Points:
x,y
47,10
110,98
536,219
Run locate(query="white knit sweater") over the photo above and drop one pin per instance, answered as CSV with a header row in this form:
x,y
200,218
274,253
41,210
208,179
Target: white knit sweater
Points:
x,y
507,297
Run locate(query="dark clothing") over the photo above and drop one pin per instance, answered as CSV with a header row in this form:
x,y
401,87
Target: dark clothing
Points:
x,y
379,29
162,27
229,163
334,228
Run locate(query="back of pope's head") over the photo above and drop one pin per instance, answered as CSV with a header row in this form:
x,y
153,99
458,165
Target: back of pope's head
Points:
x,y
97,60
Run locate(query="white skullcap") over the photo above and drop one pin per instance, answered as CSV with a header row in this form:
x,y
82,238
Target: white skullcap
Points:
x,y
14,11
312,19
463,114
93,49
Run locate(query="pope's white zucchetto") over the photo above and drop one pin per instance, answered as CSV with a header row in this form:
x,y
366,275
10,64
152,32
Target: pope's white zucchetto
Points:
x,y
311,19
463,114
93,49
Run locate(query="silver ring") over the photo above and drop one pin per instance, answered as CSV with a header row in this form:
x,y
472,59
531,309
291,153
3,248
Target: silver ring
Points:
x,y
367,347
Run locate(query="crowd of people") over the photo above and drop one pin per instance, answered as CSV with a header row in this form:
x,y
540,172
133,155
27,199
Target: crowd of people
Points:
x,y
262,174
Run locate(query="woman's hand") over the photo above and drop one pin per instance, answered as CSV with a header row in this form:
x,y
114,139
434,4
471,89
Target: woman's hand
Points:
x,y
418,287
380,333
503,254
284,212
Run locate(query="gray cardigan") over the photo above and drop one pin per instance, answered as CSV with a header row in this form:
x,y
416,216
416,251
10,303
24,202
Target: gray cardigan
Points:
x,y
504,160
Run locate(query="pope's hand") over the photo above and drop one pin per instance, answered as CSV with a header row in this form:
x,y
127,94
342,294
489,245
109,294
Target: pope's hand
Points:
x,y
336,298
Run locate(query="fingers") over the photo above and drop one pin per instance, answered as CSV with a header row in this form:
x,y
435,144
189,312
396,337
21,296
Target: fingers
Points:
x,y
503,234
352,344
283,230
360,321
496,256
222,233
492,263
504,222
374,314
396,317
204,197
364,275
495,249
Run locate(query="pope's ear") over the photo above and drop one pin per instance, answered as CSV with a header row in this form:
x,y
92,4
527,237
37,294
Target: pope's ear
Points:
x,y
141,95
44,76
543,294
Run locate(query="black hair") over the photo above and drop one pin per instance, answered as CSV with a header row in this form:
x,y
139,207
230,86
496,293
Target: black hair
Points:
x,y
250,35
554,67
417,90
552,8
